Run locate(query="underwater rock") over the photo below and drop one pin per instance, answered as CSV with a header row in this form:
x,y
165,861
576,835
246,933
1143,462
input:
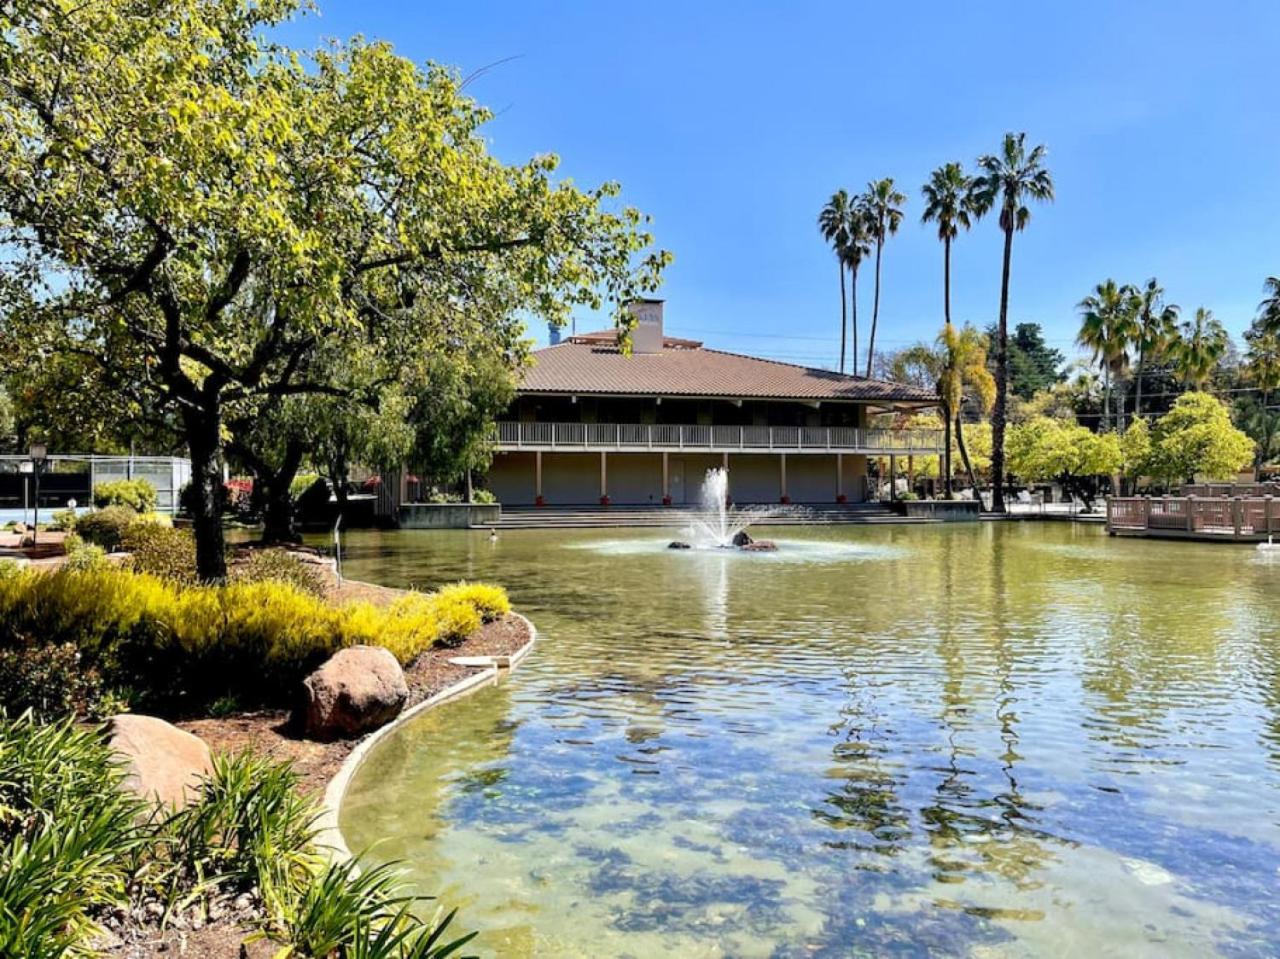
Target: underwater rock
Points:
x,y
676,544
741,539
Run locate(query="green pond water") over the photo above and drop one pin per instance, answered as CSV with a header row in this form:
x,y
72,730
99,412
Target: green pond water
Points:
x,y
973,740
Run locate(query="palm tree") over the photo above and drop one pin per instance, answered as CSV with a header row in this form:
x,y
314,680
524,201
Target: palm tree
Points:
x,y
1263,370
1154,331
964,367
833,224
1009,177
948,198
884,207
1108,325
1269,309
857,248
1199,345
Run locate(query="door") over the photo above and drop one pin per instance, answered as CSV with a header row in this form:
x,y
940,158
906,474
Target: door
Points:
x,y
675,469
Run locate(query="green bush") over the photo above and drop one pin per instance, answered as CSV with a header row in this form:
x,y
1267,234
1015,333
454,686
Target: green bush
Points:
x,y
301,483
82,556
483,496
51,681
64,520
137,494
161,551
278,566
106,527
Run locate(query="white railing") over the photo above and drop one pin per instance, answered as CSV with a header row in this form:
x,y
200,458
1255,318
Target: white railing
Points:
x,y
662,436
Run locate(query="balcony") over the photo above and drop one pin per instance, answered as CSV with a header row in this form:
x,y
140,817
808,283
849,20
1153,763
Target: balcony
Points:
x,y
640,437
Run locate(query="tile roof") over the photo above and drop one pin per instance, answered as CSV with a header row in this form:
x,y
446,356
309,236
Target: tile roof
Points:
x,y
591,363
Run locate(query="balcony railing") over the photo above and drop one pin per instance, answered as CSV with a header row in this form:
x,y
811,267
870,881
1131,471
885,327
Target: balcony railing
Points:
x,y
747,439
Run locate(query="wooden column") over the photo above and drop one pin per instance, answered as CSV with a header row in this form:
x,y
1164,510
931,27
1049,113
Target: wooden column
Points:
x,y
782,462
840,497
537,478
724,464
893,478
666,479
604,478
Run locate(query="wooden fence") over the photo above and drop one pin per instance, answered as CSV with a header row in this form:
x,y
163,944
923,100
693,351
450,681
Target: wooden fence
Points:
x,y
1194,517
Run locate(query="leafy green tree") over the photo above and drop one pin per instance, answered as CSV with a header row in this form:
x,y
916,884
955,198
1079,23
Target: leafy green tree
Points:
x,y
1008,179
1033,364
833,224
1153,332
883,205
1262,369
244,208
1198,348
1269,308
1052,449
1109,323
1196,438
1135,450
7,422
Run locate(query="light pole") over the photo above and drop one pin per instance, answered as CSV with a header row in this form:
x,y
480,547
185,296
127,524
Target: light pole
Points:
x,y
37,454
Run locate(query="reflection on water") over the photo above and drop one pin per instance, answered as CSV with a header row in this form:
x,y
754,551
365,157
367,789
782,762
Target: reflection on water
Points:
x,y
981,740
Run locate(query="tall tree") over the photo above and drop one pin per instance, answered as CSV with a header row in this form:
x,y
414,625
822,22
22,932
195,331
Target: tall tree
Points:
x,y
1009,178
883,204
949,202
1269,308
1153,332
833,224
1200,344
1262,369
244,208
857,248
1108,325
964,371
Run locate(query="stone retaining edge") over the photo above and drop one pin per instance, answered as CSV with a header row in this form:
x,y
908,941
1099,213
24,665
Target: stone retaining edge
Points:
x,y
328,834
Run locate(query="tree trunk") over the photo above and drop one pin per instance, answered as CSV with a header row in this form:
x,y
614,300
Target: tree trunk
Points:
x,y
277,517
946,412
853,304
875,310
338,480
1002,380
844,316
203,433
1137,398
1106,396
946,451
964,458
946,280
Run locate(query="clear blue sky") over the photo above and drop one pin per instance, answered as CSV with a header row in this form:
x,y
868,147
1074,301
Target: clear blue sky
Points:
x,y
731,123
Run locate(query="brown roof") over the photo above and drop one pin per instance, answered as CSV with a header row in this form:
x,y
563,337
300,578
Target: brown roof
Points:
x,y
590,364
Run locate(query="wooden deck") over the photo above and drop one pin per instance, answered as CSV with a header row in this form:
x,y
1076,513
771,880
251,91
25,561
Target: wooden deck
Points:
x,y
1244,519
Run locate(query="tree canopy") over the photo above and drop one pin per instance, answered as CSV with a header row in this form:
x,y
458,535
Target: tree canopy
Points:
x,y
1196,438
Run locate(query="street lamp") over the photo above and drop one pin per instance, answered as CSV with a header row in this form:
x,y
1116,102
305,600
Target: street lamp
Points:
x,y
38,454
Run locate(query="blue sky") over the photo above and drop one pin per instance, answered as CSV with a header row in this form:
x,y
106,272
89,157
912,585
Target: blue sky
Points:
x,y
731,123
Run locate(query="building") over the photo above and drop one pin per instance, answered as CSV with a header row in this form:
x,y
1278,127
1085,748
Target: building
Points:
x,y
591,425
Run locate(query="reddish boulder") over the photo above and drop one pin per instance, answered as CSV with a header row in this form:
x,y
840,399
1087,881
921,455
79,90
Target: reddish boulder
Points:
x,y
357,689
162,762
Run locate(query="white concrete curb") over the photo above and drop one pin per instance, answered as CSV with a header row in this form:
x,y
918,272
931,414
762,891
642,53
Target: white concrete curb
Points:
x,y
328,835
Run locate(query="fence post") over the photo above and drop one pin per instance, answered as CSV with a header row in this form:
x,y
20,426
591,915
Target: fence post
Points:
x,y
1237,515
1191,514
1110,527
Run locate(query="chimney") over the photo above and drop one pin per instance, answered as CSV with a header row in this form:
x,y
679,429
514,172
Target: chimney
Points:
x,y
646,337
553,334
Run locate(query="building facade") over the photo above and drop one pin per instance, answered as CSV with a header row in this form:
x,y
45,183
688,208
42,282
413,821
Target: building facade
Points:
x,y
592,425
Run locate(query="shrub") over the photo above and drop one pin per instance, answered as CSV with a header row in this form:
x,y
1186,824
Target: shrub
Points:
x,y
49,680
161,551
278,566
64,520
137,494
301,483
443,496
82,556
483,496
491,602
106,527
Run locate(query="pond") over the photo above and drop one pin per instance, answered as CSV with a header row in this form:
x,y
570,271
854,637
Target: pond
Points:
x,y
1016,739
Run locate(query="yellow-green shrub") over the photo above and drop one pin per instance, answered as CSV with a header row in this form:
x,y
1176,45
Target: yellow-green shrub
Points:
x,y
491,602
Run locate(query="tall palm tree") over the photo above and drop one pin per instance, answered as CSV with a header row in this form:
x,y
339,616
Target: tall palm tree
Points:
x,y
1010,178
1262,368
833,224
1154,331
857,248
949,202
964,370
884,208
1201,342
1108,325
1269,308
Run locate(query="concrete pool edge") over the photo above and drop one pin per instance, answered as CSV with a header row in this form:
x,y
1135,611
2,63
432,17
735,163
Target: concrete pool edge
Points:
x,y
328,832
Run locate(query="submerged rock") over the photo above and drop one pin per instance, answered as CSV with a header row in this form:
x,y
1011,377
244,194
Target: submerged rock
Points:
x,y
162,762
676,544
759,546
357,689
741,539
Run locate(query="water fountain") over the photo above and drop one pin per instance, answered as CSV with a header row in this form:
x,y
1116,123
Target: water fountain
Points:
x,y
720,525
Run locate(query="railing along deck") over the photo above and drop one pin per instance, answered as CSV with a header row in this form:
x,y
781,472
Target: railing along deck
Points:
x,y
1195,517
749,439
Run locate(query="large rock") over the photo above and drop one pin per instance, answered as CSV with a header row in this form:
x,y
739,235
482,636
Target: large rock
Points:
x,y
741,539
359,688
163,762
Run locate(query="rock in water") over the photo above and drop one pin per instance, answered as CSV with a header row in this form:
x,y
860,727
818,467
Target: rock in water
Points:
x,y
741,539
760,546
162,762
676,544
357,689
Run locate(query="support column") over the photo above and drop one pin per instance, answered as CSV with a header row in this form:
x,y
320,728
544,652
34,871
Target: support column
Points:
x,y
666,479
893,478
782,461
724,464
840,497
604,478
537,479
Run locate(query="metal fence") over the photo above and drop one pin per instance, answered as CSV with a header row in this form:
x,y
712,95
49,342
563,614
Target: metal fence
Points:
x,y
662,436
73,476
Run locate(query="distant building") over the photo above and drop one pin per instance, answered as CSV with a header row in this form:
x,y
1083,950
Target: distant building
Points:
x,y
592,425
